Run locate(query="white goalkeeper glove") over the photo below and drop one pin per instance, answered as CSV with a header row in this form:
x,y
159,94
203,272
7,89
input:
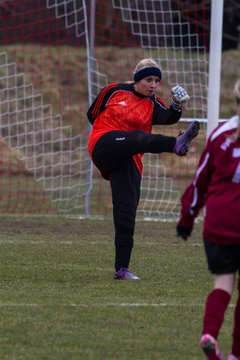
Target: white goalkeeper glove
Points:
x,y
179,97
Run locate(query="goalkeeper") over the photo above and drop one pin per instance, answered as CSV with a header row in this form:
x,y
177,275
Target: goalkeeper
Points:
x,y
122,116
216,186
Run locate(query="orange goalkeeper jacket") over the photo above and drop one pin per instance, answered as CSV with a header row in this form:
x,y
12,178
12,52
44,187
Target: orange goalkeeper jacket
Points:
x,y
120,107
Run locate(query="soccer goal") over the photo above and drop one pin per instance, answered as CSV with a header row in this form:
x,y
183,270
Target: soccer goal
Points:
x,y
176,34
55,57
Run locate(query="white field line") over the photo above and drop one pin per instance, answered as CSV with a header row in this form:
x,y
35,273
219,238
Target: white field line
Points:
x,y
70,242
160,305
37,242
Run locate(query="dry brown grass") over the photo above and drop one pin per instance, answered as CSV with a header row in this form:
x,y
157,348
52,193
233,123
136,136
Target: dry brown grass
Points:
x,y
60,75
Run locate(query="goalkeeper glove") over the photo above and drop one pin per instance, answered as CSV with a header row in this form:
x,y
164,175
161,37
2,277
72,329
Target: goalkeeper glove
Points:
x,y
179,96
183,231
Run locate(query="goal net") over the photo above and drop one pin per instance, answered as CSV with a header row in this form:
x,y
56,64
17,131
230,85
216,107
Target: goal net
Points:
x,y
43,101
55,56
176,36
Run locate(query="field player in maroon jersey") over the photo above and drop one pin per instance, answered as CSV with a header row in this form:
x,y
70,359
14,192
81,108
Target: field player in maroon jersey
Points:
x,y
122,116
216,186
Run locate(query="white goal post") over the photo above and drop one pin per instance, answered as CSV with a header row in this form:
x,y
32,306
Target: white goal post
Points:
x,y
215,56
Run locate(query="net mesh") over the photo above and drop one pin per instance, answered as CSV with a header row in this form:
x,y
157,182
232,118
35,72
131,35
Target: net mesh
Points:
x,y
55,56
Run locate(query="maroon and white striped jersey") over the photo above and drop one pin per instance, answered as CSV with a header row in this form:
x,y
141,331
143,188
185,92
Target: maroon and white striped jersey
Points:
x,y
216,187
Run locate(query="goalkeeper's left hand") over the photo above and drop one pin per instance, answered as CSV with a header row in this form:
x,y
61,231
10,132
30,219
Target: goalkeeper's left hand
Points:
x,y
179,95
183,231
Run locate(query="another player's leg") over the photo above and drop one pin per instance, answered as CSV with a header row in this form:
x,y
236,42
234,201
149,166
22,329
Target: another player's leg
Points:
x,y
235,351
215,308
220,261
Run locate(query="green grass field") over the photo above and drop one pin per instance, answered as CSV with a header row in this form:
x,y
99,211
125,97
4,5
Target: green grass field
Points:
x,y
58,300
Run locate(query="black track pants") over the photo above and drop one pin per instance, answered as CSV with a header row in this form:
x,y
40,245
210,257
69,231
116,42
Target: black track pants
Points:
x,y
125,184
113,155
115,147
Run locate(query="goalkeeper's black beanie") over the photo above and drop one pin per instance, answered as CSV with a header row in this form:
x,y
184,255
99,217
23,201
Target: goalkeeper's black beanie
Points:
x,y
147,71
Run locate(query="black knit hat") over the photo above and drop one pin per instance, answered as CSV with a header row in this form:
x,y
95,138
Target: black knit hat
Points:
x,y
147,71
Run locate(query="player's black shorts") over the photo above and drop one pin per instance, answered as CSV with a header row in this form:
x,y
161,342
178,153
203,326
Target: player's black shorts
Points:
x,y
221,258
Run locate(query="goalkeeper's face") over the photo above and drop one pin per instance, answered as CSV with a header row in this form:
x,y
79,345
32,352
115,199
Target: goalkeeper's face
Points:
x,y
147,86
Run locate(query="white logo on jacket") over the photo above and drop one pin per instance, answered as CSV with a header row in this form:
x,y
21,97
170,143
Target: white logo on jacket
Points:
x,y
122,103
226,144
120,138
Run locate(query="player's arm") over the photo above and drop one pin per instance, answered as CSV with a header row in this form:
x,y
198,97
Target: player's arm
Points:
x,y
99,104
194,197
164,115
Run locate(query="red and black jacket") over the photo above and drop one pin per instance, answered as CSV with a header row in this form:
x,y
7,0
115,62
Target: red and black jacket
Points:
x,y
120,107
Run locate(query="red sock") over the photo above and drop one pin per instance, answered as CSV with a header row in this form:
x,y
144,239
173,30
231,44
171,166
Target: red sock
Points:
x,y
215,307
236,326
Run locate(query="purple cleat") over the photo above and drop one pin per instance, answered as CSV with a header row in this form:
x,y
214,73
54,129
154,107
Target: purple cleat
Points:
x,y
184,139
124,274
